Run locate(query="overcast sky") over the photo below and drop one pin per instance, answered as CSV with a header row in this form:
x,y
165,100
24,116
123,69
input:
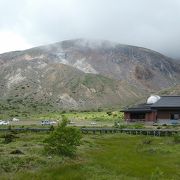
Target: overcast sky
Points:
x,y
154,24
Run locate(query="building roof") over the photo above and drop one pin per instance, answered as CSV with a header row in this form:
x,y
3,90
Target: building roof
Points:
x,y
139,108
163,102
167,101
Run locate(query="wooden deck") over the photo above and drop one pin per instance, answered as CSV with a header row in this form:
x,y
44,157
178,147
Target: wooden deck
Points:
x,y
149,132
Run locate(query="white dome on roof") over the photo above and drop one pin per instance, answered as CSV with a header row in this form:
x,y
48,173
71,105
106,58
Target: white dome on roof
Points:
x,y
153,99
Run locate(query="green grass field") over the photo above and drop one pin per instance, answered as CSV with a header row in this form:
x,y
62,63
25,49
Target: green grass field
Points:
x,y
115,156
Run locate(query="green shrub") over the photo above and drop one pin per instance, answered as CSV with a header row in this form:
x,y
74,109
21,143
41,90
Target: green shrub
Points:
x,y
116,124
114,115
123,126
147,141
64,140
63,112
109,113
100,109
177,138
8,138
52,128
138,126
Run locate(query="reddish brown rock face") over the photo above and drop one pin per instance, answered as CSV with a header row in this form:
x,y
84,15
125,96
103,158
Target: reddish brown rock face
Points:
x,y
143,73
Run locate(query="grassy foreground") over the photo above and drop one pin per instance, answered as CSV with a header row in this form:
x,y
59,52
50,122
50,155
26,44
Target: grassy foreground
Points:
x,y
104,157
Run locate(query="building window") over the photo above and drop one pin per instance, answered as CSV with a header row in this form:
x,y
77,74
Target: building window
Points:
x,y
175,116
137,116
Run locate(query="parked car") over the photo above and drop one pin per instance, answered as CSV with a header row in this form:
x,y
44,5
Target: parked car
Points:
x,y
15,119
47,122
52,122
71,122
4,122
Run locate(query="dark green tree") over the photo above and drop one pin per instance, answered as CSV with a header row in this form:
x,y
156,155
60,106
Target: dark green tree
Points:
x,y
64,140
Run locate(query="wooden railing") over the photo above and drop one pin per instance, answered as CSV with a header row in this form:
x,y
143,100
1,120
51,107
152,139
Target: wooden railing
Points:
x,y
151,132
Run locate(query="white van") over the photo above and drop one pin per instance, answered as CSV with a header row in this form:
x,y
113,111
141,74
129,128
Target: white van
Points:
x,y
47,122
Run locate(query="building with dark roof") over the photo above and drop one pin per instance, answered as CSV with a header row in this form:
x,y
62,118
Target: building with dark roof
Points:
x,y
162,109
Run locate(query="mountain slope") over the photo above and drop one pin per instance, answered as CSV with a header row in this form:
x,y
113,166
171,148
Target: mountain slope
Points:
x,y
84,74
61,86
175,90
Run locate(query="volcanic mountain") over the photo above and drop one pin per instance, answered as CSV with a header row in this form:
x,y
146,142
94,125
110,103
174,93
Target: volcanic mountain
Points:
x,y
83,74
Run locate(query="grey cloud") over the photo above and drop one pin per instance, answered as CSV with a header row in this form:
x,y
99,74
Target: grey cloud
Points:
x,y
153,24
